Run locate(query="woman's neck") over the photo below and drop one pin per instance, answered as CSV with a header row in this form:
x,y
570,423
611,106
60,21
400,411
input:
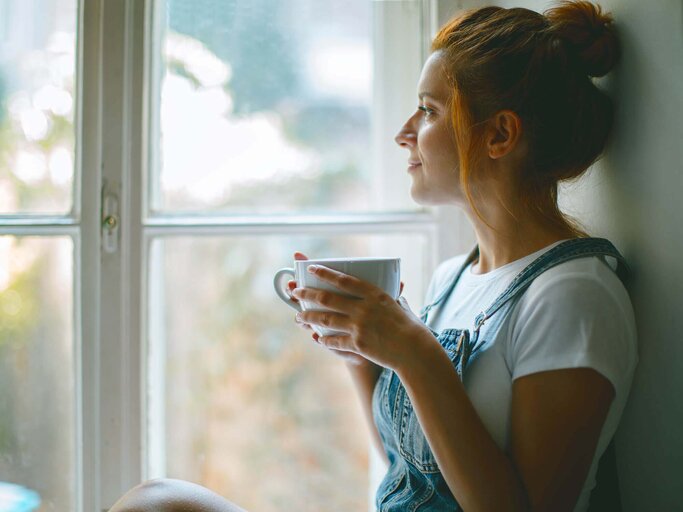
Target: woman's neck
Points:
x,y
514,241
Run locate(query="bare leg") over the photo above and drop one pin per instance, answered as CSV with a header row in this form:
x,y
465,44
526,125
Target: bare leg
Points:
x,y
170,495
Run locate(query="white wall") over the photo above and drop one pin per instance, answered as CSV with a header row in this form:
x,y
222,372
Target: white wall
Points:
x,y
634,197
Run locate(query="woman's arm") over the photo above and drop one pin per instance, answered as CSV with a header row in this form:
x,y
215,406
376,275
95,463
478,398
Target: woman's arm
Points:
x,y
365,377
557,417
548,463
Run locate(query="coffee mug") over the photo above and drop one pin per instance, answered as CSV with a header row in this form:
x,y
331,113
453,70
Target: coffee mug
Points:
x,y
385,273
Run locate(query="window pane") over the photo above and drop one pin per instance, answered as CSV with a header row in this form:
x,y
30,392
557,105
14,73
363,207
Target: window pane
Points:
x,y
37,388
37,77
268,106
241,399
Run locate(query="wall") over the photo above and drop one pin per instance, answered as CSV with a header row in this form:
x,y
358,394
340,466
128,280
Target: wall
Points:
x,y
634,197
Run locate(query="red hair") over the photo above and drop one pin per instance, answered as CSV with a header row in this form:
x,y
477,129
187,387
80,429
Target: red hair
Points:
x,y
539,66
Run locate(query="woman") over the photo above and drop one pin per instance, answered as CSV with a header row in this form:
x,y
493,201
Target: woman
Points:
x,y
506,390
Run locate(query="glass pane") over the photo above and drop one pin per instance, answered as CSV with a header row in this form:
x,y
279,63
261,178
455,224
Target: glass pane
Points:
x,y
37,86
242,399
267,106
37,386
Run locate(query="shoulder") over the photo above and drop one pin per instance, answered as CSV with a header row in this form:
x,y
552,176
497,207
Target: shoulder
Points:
x,y
574,283
577,313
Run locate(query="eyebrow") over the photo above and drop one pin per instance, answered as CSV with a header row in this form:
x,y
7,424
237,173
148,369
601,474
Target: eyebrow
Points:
x,y
429,95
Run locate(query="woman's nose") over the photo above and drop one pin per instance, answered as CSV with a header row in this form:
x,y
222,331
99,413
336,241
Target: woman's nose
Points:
x,y
407,136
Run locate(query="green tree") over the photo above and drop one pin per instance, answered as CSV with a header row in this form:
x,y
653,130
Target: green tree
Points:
x,y
250,38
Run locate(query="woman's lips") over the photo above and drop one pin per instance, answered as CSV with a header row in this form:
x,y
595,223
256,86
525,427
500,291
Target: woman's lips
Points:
x,y
414,165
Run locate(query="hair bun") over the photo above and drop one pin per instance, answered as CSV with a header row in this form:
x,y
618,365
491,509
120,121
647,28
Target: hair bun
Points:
x,y
588,31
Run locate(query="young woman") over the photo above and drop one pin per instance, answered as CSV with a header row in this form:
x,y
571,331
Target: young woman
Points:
x,y
506,390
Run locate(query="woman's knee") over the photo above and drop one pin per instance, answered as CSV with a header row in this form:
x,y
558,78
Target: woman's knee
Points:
x,y
172,495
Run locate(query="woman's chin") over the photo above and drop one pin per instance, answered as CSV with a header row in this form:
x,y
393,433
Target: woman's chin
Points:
x,y
423,198
417,196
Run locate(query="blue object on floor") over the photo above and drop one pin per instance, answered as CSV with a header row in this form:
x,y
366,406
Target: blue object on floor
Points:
x,y
15,498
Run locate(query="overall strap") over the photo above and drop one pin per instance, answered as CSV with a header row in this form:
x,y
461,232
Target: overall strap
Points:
x,y
565,251
474,254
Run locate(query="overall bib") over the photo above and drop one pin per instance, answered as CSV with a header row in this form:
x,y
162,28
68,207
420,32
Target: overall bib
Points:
x,y
413,480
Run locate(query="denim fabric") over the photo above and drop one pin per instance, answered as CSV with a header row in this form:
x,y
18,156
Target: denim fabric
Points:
x,y
413,480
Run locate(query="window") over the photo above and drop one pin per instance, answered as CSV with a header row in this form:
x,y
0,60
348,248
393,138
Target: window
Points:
x,y
160,160
39,242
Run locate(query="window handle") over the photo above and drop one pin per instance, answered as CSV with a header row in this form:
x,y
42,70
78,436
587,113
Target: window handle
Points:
x,y
110,221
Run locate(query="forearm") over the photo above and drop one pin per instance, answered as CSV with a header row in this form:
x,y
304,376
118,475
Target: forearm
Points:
x,y
365,377
479,474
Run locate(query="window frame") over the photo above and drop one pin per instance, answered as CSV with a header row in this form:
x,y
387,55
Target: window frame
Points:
x,y
114,95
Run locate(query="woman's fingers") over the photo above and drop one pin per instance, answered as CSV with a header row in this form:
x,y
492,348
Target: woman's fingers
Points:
x,y
304,325
291,285
336,342
329,300
345,282
349,357
329,319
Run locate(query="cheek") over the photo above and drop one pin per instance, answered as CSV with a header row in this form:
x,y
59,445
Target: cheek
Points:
x,y
442,158
454,159
436,141
429,143
449,152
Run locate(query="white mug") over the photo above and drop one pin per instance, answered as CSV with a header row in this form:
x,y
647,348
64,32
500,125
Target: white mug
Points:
x,y
385,273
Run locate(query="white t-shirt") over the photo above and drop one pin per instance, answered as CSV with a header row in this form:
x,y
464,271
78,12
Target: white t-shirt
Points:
x,y
576,314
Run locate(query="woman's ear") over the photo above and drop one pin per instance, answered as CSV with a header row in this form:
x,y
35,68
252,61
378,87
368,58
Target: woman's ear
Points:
x,y
505,130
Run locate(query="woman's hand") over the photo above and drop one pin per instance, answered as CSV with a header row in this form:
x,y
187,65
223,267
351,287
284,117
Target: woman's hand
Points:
x,y
378,328
349,357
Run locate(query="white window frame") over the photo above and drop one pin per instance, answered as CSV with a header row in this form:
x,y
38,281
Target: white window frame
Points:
x,y
113,151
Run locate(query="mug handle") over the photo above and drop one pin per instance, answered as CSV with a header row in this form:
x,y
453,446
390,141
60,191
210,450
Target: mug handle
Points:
x,y
286,298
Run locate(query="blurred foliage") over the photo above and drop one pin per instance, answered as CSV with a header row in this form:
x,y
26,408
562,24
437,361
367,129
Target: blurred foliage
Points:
x,y
3,94
35,196
270,73
315,121
273,402
264,72
19,309
37,378
291,193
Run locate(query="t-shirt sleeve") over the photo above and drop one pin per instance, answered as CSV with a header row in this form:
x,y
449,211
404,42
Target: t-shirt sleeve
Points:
x,y
573,321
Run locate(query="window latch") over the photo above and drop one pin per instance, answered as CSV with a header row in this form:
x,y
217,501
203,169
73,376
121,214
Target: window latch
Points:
x,y
110,220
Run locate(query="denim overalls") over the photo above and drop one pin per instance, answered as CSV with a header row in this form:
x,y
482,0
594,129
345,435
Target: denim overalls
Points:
x,y
413,480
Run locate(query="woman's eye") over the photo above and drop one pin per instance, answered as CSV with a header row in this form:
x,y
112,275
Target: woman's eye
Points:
x,y
428,111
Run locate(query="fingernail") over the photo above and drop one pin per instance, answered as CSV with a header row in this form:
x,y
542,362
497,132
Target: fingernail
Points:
x,y
312,268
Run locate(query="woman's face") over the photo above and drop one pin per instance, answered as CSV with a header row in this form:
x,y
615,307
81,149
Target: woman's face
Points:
x,y
428,136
